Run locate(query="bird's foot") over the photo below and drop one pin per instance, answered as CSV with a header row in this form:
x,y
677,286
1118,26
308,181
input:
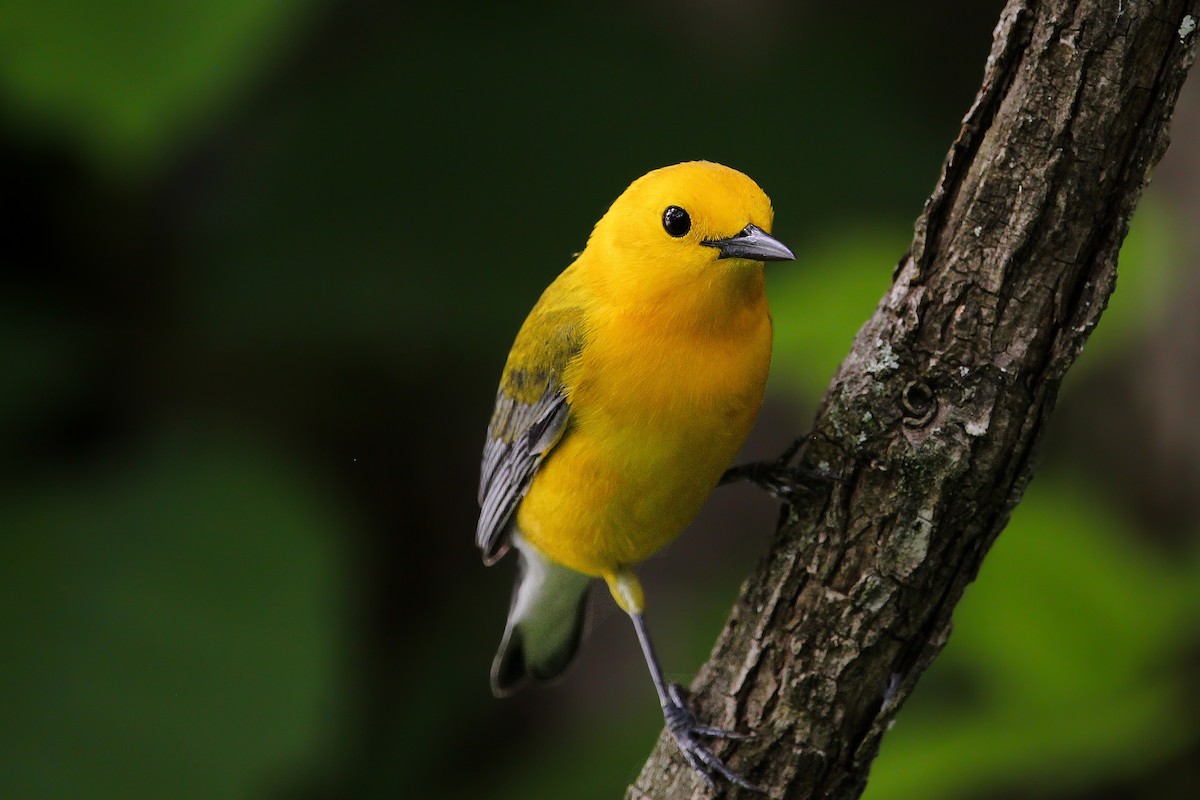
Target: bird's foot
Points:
x,y
686,730
779,478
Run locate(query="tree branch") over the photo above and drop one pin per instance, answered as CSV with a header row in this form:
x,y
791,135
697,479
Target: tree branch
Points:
x,y
933,420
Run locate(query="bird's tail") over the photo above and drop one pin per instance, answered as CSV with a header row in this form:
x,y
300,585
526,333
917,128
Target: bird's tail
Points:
x,y
545,623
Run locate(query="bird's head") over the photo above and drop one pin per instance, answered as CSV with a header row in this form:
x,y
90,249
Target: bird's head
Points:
x,y
695,226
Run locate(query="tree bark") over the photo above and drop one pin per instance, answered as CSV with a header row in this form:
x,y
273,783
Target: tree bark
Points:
x,y
932,423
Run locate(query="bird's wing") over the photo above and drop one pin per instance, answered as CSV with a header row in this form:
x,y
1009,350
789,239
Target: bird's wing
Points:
x,y
530,418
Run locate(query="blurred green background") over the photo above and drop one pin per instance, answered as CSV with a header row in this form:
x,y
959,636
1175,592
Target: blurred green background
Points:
x,y
263,262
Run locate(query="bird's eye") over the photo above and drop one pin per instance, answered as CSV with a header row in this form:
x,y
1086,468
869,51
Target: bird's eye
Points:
x,y
676,221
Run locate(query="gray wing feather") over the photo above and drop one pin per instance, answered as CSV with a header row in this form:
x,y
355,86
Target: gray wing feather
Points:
x,y
531,414
510,462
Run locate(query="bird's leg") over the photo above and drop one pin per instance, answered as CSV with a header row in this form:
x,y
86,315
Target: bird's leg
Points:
x,y
779,478
680,720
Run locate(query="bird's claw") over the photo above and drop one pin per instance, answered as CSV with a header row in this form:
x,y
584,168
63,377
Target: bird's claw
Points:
x,y
685,729
779,477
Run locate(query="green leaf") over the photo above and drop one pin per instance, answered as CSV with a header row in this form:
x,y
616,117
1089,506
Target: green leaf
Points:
x,y
128,81
170,626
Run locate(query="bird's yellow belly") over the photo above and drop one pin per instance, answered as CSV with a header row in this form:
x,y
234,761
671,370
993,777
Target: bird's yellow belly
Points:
x,y
628,479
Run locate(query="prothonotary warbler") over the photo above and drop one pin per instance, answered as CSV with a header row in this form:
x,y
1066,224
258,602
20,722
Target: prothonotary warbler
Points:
x,y
628,391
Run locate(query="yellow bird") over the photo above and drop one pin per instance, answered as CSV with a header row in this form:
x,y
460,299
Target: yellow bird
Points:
x,y
628,391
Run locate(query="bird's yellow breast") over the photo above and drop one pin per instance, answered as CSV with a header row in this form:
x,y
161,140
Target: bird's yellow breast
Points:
x,y
662,397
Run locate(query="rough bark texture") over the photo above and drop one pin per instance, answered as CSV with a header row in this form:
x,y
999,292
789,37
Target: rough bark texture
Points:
x,y
933,421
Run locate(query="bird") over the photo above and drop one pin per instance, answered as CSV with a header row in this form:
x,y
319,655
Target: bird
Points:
x,y
628,391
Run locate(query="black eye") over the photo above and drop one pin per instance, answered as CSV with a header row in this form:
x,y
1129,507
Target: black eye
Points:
x,y
676,221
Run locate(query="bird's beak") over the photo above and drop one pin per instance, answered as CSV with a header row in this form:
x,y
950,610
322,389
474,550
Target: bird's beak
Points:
x,y
752,243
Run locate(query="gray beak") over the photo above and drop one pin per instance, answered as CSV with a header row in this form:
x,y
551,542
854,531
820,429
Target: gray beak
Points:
x,y
752,243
